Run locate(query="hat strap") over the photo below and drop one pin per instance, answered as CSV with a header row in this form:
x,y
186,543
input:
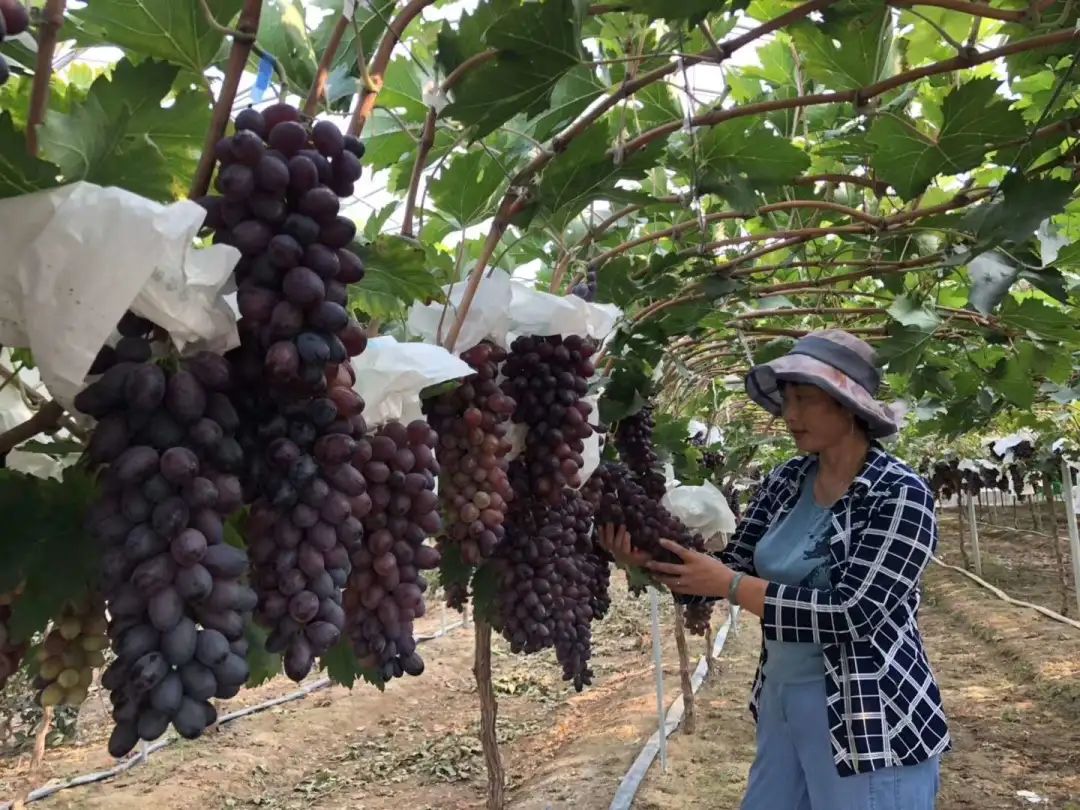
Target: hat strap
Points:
x,y
843,359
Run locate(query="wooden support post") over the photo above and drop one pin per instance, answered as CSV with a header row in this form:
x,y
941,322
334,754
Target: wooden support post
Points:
x,y
973,520
684,672
1059,558
489,709
1070,522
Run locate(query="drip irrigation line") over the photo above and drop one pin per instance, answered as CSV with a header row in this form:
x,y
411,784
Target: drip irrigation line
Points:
x,y
143,753
631,781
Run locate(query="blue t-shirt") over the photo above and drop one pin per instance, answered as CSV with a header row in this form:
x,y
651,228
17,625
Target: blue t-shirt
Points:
x,y
795,551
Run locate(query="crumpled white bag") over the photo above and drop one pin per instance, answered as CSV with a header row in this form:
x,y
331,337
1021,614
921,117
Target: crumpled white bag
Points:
x,y
391,375
488,316
702,509
79,255
533,312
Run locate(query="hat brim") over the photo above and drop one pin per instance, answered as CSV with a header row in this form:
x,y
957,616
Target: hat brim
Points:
x,y
763,387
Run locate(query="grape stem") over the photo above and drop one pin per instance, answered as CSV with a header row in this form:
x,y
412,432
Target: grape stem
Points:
x,y
489,709
322,75
46,418
52,18
380,61
247,25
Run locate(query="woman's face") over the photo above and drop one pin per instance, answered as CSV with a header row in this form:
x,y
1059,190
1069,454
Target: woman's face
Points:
x,y
815,420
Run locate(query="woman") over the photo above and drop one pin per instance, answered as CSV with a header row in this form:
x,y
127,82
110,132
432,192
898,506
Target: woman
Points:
x,y
829,556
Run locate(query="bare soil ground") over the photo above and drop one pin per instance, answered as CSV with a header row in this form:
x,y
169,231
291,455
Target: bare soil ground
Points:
x,y
1011,680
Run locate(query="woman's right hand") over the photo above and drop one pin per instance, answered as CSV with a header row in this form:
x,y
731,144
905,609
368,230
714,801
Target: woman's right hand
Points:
x,y
616,541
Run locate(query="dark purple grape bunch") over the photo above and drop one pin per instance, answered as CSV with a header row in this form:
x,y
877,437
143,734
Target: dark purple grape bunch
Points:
x,y
697,617
281,182
14,19
385,592
303,523
547,377
586,288
135,344
634,441
175,590
472,422
548,575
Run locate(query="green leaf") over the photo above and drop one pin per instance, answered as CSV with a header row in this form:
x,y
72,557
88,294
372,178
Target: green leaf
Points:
x,y
851,48
755,153
465,189
1021,207
44,545
57,448
121,135
395,276
456,43
910,312
1039,320
537,44
485,590
694,11
163,29
1012,379
903,349
585,172
20,173
575,91
991,277
283,33
343,667
263,665
975,118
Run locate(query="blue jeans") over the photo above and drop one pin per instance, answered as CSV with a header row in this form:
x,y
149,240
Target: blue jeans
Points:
x,y
794,768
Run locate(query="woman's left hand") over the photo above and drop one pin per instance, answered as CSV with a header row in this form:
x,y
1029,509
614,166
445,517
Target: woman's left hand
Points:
x,y
695,574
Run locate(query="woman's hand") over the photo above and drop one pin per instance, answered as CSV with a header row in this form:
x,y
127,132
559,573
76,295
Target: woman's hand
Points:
x,y
616,541
695,574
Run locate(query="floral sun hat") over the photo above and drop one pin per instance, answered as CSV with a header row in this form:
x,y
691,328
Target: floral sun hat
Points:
x,y
840,364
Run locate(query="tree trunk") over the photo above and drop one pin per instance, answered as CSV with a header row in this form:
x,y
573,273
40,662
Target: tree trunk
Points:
x,y
1059,558
684,673
489,709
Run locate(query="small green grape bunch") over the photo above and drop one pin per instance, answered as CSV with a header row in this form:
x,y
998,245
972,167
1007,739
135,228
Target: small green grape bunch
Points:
x,y
73,648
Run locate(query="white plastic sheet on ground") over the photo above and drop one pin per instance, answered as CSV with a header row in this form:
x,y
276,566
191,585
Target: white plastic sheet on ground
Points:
x,y
488,315
78,256
390,376
702,509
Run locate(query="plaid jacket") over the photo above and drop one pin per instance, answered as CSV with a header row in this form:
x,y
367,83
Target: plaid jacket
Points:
x,y
883,703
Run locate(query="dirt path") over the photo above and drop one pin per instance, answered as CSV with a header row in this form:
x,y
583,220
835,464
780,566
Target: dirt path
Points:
x,y
1011,684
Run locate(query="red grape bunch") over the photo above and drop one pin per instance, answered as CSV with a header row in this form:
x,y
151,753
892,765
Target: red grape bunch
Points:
x,y
11,653
385,592
280,182
472,424
175,594
14,19
547,378
618,499
634,441
549,576
303,526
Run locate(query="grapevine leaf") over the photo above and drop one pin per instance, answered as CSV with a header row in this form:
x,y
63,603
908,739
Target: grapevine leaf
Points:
x,y
263,665
975,118
693,11
756,153
453,570
369,16
991,277
485,589
395,276
1012,380
163,29
44,545
575,91
20,173
909,312
56,448
456,43
1023,205
537,44
1039,320
283,33
343,667
902,350
465,189
1049,280
852,47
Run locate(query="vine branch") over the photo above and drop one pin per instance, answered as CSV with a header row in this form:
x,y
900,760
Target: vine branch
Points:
x,y
52,20
322,74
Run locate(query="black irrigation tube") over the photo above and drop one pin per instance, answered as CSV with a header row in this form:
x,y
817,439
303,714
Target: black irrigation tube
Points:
x,y
142,755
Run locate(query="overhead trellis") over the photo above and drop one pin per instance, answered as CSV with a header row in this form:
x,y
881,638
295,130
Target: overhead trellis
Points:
x,y
733,174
